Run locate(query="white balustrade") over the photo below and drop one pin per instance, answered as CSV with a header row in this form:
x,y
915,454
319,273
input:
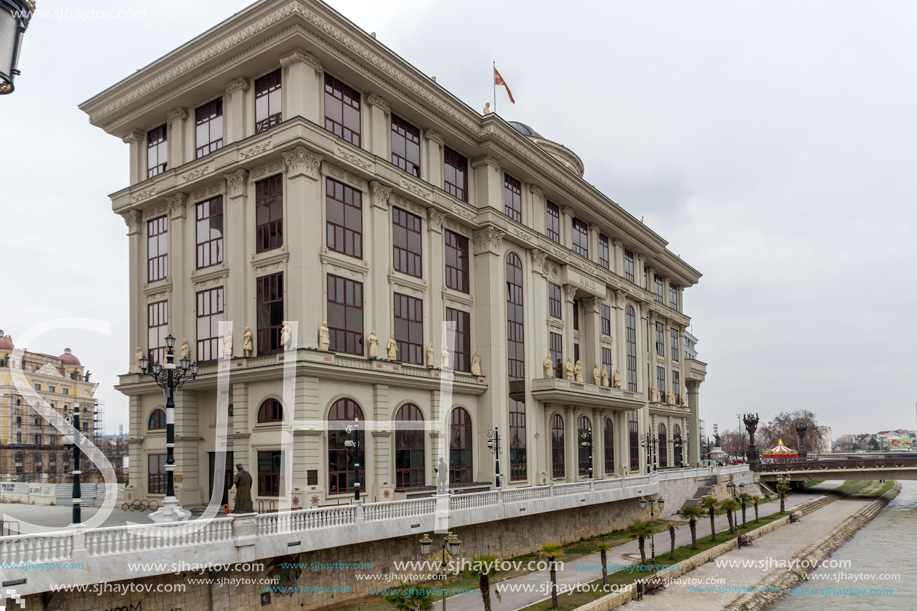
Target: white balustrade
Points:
x,y
304,519
374,512
134,538
36,548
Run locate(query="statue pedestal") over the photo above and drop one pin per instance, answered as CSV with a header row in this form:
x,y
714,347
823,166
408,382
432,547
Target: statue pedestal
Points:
x,y
170,511
441,523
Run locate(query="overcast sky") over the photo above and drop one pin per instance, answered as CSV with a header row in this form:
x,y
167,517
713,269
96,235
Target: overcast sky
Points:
x,y
771,143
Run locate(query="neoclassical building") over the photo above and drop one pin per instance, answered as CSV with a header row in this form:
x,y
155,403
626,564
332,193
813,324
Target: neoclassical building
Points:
x,y
288,170
31,450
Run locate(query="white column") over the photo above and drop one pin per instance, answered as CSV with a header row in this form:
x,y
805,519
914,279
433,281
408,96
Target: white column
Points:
x,y
234,111
137,141
176,135
379,142
431,169
303,89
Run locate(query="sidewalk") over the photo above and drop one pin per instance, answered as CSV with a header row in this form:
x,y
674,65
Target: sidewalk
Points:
x,y
626,554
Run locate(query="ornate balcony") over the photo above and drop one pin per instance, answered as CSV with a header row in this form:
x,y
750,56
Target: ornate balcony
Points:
x,y
565,392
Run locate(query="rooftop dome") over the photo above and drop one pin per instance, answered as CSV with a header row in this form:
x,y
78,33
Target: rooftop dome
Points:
x,y
67,358
565,156
525,130
5,342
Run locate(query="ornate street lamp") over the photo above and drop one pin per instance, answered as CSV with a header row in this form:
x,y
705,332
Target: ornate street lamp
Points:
x,y
587,445
653,503
170,377
494,445
14,20
751,425
452,545
354,444
77,496
648,441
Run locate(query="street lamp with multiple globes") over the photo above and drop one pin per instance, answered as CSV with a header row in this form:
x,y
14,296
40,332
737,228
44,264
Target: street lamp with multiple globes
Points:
x,y
653,502
452,545
353,443
14,20
494,445
170,378
649,442
587,447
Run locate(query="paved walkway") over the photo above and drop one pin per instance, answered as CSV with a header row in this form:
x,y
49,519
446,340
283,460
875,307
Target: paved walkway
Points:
x,y
781,544
626,554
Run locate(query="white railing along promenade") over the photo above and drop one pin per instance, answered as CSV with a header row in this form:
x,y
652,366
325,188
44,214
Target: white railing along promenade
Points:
x,y
67,544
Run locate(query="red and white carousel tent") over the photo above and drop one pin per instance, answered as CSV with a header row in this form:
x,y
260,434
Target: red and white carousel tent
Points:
x,y
780,452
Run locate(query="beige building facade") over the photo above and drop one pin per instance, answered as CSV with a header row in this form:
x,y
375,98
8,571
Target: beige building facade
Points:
x,y
291,175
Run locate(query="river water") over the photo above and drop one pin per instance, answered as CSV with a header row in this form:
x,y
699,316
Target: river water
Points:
x,y
883,547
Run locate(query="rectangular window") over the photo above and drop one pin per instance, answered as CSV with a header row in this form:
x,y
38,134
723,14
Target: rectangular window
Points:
x,y
553,222
575,353
157,151
580,238
673,296
676,387
66,391
345,315
156,474
209,232
576,314
603,250
157,323
270,469
344,219
628,265
342,110
269,213
512,198
269,313
52,389
634,439
557,354
407,243
157,248
606,319
461,351
606,360
406,146
674,344
658,285
630,321
660,339
455,174
660,382
457,262
555,301
209,317
208,130
38,386
515,364
409,328
268,101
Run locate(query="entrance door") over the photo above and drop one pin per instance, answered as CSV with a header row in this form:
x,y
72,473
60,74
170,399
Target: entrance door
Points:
x,y
226,470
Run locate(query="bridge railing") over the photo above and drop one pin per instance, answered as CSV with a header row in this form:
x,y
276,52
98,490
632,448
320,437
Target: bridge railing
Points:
x,y
837,465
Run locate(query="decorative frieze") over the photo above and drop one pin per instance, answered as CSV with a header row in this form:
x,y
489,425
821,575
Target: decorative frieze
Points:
x,y
143,194
415,188
255,150
328,169
195,174
353,158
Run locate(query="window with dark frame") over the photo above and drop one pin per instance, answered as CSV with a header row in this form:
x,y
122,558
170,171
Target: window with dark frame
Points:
x,y
209,232
409,447
609,446
210,310
455,174
660,339
606,359
584,435
269,313
457,262
512,198
633,441
555,301
208,129
603,250
515,357
677,446
345,315
341,464
342,110
461,352
657,279
269,213
676,387
674,344
631,323
157,248
268,101
270,411
628,265
580,238
606,319
406,146
576,314
660,383
157,317
673,296
409,328
553,222
556,341
157,420
461,458
407,243
344,218
663,447
557,446
157,477
157,151
270,470
575,353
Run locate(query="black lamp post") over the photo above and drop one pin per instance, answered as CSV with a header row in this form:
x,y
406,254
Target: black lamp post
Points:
x,y
14,20
649,442
653,502
451,548
751,425
354,443
170,378
77,496
587,445
494,444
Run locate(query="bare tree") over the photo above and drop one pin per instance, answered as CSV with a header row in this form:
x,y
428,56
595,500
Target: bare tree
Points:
x,y
782,427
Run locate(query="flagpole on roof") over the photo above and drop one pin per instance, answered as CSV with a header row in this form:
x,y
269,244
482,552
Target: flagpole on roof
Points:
x,y
494,78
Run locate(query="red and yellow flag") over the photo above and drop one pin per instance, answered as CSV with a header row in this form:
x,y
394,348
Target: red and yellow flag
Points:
x,y
498,80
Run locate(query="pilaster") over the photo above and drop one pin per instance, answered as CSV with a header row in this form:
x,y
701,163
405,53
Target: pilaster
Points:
x,y
137,141
239,240
303,89
381,249
187,437
382,455
488,183
176,135
379,142
432,167
180,309
598,443
566,226
571,456
235,111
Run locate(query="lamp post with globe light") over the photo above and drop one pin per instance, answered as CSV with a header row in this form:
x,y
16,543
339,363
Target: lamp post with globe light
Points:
x,y
653,503
15,16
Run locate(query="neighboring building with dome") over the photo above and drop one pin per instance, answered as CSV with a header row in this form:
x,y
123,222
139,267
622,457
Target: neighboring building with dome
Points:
x,y
31,450
289,170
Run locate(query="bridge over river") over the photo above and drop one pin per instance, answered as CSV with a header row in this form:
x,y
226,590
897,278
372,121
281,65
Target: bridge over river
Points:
x,y
890,467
